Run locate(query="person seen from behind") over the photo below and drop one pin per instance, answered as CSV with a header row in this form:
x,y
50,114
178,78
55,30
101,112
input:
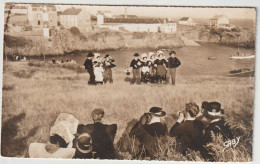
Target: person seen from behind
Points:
x,y
188,131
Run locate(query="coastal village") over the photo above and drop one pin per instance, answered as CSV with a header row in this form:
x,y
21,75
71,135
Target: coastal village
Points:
x,y
44,19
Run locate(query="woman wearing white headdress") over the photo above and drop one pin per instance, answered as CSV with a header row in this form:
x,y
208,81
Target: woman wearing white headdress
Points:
x,y
153,67
145,68
161,66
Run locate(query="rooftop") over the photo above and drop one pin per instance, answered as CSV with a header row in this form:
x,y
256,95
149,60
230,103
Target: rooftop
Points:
x,y
71,11
137,20
184,18
218,16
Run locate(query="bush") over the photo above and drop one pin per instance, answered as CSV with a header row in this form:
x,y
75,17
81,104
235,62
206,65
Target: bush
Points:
x,y
236,29
75,31
11,41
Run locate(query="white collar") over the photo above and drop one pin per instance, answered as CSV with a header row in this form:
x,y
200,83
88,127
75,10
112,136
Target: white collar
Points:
x,y
216,120
190,118
155,119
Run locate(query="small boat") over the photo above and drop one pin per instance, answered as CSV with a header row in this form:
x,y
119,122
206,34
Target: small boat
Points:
x,y
249,73
212,58
242,57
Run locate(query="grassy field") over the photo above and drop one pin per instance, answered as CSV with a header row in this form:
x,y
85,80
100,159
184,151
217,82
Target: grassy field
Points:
x,y
34,94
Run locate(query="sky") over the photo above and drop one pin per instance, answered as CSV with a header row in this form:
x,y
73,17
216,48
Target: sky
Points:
x,y
172,12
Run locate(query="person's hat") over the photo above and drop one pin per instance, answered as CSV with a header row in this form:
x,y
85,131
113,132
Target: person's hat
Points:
x,y
144,55
172,52
136,54
157,111
97,115
90,54
107,55
84,143
160,52
151,54
213,108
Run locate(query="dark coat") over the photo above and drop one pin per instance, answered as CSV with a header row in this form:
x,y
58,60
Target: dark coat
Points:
x,y
160,62
88,64
149,137
134,64
173,62
102,138
147,63
110,65
188,135
221,128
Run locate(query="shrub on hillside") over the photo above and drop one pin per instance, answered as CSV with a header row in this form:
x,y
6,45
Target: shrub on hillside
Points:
x,y
139,35
75,31
12,41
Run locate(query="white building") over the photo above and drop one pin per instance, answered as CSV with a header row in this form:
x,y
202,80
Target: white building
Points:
x,y
75,17
219,21
136,24
187,21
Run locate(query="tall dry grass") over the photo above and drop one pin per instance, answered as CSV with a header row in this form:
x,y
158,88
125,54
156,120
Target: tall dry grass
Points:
x,y
52,90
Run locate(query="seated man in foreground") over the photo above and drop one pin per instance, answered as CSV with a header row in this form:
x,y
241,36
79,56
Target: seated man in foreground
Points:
x,y
97,140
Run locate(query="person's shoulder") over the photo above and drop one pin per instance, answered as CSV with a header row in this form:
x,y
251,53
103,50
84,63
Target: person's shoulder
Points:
x,y
85,128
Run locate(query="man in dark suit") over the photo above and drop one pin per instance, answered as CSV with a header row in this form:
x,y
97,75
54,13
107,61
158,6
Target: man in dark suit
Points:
x,y
102,137
89,67
217,126
136,64
172,63
152,133
188,131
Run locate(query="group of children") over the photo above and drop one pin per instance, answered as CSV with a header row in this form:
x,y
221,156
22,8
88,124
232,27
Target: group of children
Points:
x,y
100,71
154,68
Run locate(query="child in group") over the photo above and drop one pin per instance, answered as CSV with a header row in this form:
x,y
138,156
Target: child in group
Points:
x,y
98,72
145,69
161,66
152,59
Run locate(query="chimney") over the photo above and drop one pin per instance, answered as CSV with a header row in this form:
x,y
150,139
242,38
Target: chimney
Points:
x,y
125,12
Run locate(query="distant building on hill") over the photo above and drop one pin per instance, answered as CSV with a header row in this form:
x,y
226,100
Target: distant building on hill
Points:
x,y
219,21
43,17
75,17
15,9
187,21
136,24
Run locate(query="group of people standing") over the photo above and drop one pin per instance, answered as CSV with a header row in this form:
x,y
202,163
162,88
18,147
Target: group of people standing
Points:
x,y
154,68
100,71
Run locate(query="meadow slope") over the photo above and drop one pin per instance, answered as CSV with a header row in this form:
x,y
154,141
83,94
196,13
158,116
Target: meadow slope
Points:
x,y
34,94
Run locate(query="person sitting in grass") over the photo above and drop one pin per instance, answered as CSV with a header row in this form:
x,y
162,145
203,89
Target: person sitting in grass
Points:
x,y
102,137
217,126
188,131
151,131
61,137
